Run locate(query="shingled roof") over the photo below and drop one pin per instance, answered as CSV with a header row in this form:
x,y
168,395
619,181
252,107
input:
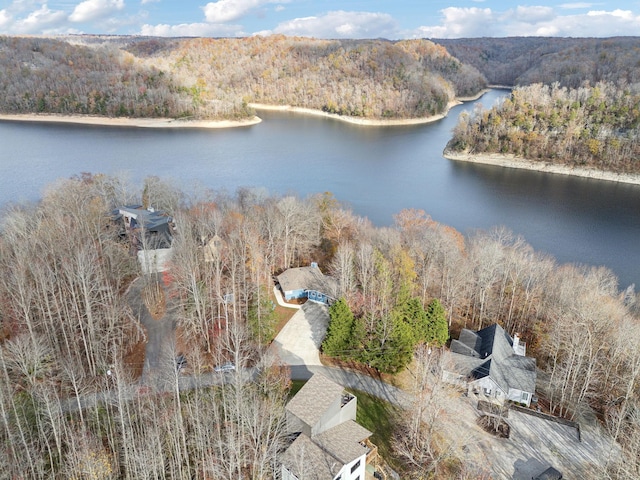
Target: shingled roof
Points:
x,y
323,454
489,352
306,278
313,399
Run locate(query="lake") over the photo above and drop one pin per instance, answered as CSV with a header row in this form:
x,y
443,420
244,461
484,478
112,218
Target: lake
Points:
x,y
376,171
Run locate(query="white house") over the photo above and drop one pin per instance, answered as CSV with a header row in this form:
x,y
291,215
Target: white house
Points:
x,y
492,363
329,444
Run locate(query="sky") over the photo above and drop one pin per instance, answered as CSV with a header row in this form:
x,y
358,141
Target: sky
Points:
x,y
390,19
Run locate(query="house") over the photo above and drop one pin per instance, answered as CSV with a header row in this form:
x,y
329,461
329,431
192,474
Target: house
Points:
x,y
329,444
150,234
490,362
307,282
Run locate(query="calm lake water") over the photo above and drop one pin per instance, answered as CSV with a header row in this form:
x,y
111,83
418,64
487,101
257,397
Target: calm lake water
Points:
x,y
377,171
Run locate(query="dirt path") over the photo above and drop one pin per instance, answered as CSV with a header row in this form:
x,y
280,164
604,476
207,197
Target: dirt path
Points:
x,y
158,371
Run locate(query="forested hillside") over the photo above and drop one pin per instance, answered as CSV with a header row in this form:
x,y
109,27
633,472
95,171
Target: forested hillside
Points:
x,y
69,329
43,75
569,61
590,126
216,78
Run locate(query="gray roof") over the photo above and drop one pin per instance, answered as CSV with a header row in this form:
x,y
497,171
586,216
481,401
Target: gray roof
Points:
x,y
151,220
314,398
155,224
308,461
323,455
343,441
306,278
489,352
549,474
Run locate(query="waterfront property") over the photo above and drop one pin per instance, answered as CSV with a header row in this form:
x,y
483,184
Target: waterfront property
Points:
x,y
328,443
493,364
307,282
150,234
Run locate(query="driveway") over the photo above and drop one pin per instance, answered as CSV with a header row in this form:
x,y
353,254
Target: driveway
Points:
x,y
159,362
298,343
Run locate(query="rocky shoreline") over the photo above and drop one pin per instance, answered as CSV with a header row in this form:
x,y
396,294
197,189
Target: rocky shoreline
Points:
x,y
510,161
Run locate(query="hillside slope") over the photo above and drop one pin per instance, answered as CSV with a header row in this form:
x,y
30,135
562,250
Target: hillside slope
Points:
x,y
217,78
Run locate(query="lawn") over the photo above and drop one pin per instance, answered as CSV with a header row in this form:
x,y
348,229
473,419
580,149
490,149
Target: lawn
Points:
x,y
378,416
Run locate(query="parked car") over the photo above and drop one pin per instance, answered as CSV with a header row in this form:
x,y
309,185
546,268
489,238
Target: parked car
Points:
x,y
227,367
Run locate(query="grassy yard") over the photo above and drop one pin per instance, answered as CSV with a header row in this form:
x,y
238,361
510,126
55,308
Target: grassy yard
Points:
x,y
379,417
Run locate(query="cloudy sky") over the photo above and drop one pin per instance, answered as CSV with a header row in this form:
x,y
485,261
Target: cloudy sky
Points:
x,y
392,19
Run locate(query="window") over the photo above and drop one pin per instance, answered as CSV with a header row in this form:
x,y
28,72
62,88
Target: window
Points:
x,y
355,467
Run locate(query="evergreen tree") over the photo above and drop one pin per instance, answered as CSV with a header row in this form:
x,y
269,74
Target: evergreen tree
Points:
x,y
438,329
338,339
412,313
396,352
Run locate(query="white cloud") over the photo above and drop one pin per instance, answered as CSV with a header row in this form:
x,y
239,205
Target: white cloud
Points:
x,y
341,24
192,30
577,5
41,20
224,11
5,18
529,21
144,2
461,22
533,14
90,10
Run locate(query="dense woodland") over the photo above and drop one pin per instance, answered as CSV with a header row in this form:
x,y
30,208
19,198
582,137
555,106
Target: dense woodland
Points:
x,y
39,75
590,126
518,61
67,319
216,78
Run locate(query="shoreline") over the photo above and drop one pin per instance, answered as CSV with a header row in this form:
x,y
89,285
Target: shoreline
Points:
x,y
186,123
509,161
369,122
128,121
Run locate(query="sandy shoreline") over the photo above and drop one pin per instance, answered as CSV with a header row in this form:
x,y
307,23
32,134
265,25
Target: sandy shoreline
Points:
x,y
186,123
509,161
128,122
354,120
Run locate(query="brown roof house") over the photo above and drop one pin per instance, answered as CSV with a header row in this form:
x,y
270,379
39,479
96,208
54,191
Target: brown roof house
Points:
x,y
307,282
329,444
490,362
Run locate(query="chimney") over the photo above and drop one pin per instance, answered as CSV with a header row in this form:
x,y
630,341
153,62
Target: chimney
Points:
x,y
516,342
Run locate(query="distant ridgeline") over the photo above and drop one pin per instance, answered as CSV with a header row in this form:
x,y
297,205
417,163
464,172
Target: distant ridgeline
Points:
x,y
570,61
208,78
